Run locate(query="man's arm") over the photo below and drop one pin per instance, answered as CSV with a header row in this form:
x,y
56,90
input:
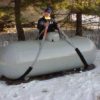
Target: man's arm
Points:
x,y
40,24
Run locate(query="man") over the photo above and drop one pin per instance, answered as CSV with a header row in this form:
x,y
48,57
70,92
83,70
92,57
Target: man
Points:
x,y
46,23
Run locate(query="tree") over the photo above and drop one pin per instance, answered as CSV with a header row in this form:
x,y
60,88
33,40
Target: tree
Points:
x,y
20,32
80,7
79,23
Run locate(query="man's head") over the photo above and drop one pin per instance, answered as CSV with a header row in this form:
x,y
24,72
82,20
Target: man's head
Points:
x,y
48,10
47,13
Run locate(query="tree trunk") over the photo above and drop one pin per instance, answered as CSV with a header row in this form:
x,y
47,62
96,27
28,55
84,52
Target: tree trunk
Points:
x,y
1,26
79,23
20,32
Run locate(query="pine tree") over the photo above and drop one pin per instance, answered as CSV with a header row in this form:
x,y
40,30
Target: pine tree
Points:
x,y
20,32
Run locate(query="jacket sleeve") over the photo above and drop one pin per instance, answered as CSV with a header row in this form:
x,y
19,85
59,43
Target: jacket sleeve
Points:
x,y
40,24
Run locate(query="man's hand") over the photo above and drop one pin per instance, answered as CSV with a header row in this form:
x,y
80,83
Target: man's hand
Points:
x,y
46,25
46,29
58,26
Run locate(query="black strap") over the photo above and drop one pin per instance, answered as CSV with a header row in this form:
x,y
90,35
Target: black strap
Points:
x,y
22,77
78,52
82,58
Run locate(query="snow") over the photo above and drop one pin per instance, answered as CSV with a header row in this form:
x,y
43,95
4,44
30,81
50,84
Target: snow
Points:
x,y
85,18
89,21
80,86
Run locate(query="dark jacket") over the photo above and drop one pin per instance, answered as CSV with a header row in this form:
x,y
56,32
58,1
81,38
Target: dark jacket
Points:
x,y
41,27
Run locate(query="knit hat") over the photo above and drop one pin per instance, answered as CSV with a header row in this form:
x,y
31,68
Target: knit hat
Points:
x,y
48,10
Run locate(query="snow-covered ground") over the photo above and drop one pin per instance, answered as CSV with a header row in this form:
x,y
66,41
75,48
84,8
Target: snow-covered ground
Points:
x,y
89,21
80,86
87,18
